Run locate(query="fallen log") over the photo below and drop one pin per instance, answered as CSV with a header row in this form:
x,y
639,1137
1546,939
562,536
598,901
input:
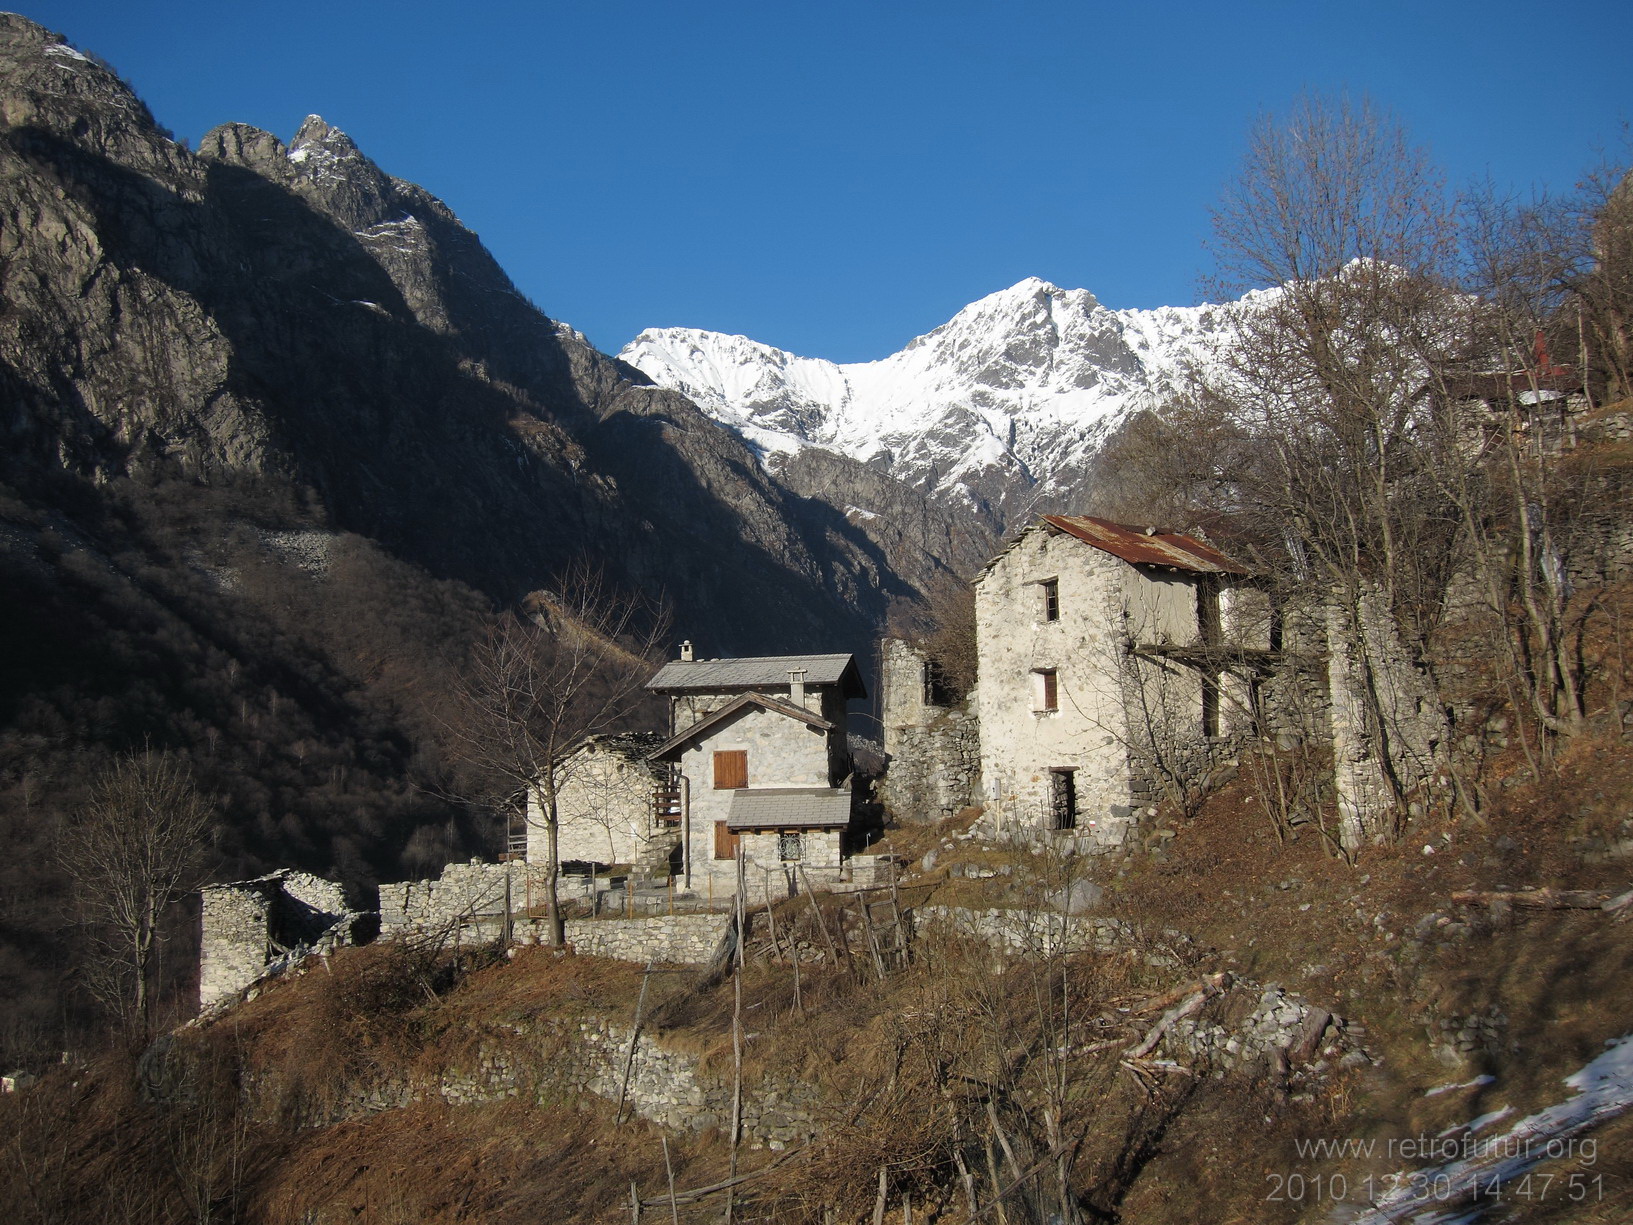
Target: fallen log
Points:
x,y
1179,1012
1210,984
1534,899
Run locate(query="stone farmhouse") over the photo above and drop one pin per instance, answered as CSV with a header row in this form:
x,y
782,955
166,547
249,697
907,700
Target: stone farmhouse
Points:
x,y
759,762
1102,686
1120,667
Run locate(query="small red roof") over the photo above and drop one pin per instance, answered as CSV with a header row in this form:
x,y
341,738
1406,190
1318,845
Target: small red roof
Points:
x,y
1145,546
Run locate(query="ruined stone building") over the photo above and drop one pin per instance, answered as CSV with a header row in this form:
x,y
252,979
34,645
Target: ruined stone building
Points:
x,y
758,759
932,739
251,927
612,807
1099,690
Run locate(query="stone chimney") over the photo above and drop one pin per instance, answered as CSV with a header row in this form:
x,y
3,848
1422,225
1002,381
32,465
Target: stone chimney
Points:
x,y
796,687
686,651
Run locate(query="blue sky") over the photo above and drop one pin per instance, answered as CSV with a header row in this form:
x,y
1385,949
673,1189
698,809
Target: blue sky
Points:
x,y
837,177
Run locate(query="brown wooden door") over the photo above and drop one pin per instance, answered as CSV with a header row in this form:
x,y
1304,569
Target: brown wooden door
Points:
x,y
725,842
730,769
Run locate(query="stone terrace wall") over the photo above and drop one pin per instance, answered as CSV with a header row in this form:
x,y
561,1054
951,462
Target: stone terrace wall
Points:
x,y
682,939
666,1086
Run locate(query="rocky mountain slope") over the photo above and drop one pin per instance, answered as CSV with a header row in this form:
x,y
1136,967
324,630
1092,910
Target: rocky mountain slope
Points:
x,y
278,433
1001,410
294,313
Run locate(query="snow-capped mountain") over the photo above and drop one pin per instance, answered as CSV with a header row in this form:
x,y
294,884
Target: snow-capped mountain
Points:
x,y
1002,408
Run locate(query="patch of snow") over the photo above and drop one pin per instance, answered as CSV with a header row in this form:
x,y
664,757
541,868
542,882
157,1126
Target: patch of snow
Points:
x,y
1604,1089
65,49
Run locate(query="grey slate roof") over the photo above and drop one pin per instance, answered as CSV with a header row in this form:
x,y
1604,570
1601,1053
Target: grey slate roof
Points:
x,y
789,808
757,672
680,739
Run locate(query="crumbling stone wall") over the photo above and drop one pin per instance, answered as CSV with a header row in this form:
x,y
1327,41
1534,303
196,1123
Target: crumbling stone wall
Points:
x,y
1385,721
252,928
463,893
933,752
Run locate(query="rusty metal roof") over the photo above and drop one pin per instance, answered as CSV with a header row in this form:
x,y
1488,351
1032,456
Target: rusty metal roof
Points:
x,y
1145,546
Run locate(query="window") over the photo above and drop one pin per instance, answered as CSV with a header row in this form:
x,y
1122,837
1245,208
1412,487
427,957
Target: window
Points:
x,y
731,770
1045,690
1209,632
1063,798
1050,603
936,690
725,842
790,846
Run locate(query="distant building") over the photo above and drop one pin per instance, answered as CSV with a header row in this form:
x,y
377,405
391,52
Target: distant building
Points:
x,y
758,761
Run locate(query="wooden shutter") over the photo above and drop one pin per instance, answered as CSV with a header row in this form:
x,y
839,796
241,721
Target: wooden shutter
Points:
x,y
730,769
725,842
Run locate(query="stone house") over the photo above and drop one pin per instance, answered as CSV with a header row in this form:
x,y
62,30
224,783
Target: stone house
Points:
x,y
612,807
759,762
1102,680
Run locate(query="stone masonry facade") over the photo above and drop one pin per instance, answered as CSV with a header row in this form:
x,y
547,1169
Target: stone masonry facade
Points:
x,y
932,750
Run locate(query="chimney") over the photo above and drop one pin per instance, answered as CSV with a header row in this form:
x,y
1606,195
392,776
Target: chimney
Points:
x,y
796,687
686,651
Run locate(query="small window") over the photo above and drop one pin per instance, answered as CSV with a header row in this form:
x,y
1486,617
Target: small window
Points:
x,y
937,691
1045,690
790,846
731,770
1209,631
1063,798
725,842
1051,599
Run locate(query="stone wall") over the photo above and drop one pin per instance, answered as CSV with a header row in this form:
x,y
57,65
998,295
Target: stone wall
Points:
x,y
666,1086
933,753
681,939
465,891
604,803
782,752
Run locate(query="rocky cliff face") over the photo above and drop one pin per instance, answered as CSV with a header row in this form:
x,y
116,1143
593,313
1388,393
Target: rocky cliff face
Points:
x,y
293,313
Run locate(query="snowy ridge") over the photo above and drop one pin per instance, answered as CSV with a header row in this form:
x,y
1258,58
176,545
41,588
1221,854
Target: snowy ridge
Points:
x,y
1014,395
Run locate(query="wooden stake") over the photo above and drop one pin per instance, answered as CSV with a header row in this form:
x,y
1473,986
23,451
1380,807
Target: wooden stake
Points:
x,y
879,1203
669,1173
822,924
634,1204
634,1037
737,1035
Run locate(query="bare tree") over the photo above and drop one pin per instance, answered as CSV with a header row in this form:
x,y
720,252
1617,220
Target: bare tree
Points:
x,y
569,664
134,851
